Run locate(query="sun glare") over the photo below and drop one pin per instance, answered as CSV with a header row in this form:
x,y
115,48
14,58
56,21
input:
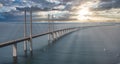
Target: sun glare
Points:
x,y
84,12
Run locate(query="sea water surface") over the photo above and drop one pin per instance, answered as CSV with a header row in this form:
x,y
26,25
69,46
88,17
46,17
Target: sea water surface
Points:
x,y
95,45
15,30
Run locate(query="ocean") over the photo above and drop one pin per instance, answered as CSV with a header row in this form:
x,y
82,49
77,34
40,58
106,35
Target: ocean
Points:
x,y
86,46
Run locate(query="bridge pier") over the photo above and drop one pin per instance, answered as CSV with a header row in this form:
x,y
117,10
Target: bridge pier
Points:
x,y
62,32
67,30
25,48
56,36
30,47
14,51
49,38
71,30
52,36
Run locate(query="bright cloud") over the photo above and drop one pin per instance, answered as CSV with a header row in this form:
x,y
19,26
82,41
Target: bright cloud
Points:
x,y
1,5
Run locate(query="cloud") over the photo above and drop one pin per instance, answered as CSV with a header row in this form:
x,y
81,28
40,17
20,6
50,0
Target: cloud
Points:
x,y
12,7
60,7
36,4
23,3
7,9
1,5
42,5
106,5
66,0
33,8
15,7
105,0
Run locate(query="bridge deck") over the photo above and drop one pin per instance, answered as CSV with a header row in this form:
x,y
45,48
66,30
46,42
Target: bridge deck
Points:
x,y
33,36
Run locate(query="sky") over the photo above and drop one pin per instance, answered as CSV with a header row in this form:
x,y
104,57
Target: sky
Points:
x,y
65,9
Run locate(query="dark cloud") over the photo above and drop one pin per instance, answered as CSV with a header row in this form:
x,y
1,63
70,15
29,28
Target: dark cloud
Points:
x,y
107,4
37,5
33,8
105,0
24,3
4,2
67,0
19,5
11,8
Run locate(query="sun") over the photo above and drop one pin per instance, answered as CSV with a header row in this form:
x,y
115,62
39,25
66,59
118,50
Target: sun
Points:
x,y
84,12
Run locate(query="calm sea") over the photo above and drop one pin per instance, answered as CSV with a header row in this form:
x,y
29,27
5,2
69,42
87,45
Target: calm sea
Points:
x,y
15,30
80,45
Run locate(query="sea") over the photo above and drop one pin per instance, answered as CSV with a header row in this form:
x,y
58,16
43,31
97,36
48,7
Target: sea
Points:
x,y
15,30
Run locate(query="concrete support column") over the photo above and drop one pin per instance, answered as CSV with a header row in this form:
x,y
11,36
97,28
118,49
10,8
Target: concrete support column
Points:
x,y
15,51
67,30
64,32
49,38
52,36
56,35
25,47
31,48
60,33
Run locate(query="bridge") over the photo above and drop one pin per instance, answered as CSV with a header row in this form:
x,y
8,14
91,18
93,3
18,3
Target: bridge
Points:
x,y
53,36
